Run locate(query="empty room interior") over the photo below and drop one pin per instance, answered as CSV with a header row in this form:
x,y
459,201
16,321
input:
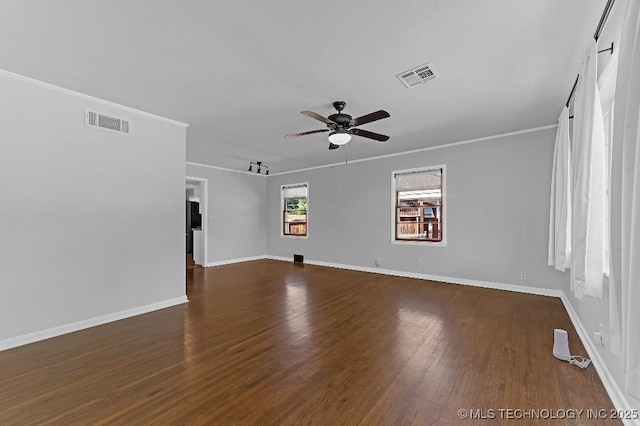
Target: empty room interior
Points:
x,y
336,213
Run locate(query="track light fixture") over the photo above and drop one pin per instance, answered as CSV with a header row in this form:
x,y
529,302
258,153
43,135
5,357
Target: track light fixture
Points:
x,y
260,167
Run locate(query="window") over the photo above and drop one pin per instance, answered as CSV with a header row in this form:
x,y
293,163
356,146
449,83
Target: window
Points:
x,y
418,203
295,210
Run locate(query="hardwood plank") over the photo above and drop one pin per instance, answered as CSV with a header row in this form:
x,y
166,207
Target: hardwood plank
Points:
x,y
268,342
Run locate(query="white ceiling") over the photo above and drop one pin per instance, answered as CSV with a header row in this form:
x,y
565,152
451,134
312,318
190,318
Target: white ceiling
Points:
x,y
239,72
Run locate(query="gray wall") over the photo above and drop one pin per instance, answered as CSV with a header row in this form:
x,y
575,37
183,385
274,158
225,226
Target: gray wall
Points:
x,y
497,213
236,223
91,221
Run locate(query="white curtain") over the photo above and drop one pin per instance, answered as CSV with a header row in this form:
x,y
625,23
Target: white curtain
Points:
x,y
588,184
607,88
560,213
297,191
625,196
412,181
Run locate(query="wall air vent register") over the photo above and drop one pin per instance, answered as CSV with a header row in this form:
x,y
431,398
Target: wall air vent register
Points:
x,y
107,122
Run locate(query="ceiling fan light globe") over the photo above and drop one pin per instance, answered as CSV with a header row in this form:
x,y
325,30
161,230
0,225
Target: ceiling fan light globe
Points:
x,y
339,138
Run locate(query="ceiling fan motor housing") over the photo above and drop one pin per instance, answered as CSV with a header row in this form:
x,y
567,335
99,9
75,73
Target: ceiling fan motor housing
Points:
x,y
342,121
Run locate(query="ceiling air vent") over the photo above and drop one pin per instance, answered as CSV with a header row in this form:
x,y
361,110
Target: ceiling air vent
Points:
x,y
418,75
107,122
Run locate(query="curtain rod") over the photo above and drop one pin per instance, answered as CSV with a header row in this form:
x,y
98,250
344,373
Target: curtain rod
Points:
x,y
596,36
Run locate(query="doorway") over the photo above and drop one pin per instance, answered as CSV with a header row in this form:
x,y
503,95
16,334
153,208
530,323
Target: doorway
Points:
x,y
196,221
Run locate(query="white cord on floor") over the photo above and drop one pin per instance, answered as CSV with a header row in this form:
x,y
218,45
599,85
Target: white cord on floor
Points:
x,y
579,361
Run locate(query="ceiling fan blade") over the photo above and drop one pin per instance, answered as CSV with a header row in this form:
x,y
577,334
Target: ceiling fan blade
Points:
x,y
333,146
317,117
370,135
306,133
378,115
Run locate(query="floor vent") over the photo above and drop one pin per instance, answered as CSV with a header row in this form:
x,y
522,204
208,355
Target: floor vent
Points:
x,y
107,122
298,258
418,75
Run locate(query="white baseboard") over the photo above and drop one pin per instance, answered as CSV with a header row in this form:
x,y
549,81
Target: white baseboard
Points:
x,y
616,394
91,322
237,260
452,280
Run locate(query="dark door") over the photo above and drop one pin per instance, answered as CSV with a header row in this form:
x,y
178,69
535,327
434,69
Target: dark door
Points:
x,y
188,231
194,221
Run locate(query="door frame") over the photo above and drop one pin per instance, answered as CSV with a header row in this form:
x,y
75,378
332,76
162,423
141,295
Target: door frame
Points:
x,y
204,202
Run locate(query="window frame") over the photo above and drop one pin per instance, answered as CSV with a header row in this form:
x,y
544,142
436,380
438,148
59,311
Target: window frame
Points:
x,y
443,209
282,210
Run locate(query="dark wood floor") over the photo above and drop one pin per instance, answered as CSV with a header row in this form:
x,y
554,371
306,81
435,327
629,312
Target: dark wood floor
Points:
x,y
268,342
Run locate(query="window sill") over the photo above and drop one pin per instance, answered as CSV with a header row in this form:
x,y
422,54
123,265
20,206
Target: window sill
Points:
x,y
295,237
420,243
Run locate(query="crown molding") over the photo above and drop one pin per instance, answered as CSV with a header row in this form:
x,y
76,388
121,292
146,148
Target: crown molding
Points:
x,y
191,163
430,148
89,98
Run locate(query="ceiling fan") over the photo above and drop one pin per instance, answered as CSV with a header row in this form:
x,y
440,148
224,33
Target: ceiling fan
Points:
x,y
342,126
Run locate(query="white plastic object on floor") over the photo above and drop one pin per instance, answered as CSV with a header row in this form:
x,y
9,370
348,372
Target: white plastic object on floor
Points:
x,y
561,349
561,344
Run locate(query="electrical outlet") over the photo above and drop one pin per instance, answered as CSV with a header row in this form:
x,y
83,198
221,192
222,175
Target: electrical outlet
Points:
x,y
378,261
418,261
602,340
523,276
597,337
